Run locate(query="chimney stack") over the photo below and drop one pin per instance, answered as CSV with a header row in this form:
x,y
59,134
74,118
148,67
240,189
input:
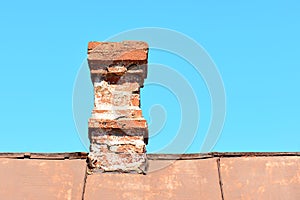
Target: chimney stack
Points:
x,y
118,132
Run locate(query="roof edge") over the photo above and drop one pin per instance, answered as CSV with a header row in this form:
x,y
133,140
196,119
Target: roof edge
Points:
x,y
189,156
47,156
217,154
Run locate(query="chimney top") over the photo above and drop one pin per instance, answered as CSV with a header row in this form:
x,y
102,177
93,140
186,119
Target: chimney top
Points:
x,y
118,51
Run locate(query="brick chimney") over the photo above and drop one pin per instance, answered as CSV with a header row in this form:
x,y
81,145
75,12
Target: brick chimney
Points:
x,y
118,132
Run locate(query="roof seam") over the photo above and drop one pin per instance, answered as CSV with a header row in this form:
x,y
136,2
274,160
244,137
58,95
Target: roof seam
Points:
x,y
220,178
84,183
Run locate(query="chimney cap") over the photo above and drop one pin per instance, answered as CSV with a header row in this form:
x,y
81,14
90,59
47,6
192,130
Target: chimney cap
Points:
x,y
118,51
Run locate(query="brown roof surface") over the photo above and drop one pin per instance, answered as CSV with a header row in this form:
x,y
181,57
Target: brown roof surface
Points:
x,y
41,179
190,176
261,178
184,179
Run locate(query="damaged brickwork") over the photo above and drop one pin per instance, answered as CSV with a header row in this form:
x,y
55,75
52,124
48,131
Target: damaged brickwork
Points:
x,y
118,132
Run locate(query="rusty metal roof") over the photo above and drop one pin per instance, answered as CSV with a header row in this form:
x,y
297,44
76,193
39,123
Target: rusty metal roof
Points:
x,y
189,176
41,178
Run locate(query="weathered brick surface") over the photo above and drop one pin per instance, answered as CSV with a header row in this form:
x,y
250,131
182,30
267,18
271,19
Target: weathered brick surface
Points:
x,y
115,98
117,131
95,133
121,123
118,162
129,113
111,140
92,45
128,87
118,51
128,148
118,134
130,76
107,147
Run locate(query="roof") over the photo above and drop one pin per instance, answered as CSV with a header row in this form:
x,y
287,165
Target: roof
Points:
x,y
170,176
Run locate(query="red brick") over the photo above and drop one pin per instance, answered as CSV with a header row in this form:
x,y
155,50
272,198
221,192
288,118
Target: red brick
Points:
x,y
94,133
112,162
129,87
129,113
118,140
92,45
127,148
135,100
118,51
100,147
118,70
123,123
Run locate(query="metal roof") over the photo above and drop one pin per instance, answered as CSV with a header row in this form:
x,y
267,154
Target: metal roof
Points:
x,y
189,176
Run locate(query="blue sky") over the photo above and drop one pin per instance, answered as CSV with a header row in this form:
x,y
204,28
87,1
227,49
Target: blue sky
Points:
x,y
255,46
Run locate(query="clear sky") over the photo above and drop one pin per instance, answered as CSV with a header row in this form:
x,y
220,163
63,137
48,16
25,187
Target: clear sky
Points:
x,y
255,46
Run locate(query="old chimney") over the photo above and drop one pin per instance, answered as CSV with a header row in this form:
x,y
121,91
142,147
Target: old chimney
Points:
x,y
118,132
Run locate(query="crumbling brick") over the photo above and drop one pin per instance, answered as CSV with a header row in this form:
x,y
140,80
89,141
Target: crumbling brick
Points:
x,y
117,130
